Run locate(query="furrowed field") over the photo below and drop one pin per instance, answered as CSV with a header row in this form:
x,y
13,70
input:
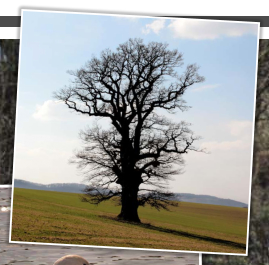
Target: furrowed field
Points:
x,y
57,217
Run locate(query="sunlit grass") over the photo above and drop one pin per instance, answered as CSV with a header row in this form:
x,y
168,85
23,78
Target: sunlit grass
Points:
x,y
57,217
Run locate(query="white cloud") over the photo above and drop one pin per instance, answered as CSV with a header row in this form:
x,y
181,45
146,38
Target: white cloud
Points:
x,y
50,110
54,110
208,29
205,87
155,26
225,145
241,131
240,128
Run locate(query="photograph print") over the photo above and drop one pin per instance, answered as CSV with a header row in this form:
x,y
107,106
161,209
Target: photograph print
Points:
x,y
134,132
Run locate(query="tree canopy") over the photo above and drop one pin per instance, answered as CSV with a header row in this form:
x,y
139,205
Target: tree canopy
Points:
x,y
130,88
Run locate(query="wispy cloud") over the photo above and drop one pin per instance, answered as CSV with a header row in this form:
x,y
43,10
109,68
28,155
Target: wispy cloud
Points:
x,y
208,29
241,132
240,128
205,87
156,26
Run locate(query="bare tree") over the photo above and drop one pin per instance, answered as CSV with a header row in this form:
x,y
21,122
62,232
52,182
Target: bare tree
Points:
x,y
130,87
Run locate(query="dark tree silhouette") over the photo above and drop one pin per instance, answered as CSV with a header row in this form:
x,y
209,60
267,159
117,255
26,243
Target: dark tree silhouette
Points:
x,y
141,150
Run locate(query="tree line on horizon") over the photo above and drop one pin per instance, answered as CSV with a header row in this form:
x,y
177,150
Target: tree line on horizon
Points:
x,y
79,188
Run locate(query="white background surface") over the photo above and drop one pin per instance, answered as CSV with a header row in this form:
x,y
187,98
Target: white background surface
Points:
x,y
168,7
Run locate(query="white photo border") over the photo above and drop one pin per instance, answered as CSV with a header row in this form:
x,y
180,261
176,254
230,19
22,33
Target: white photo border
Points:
x,y
14,31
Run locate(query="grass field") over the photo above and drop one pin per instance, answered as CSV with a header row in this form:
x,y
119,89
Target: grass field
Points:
x,y
57,217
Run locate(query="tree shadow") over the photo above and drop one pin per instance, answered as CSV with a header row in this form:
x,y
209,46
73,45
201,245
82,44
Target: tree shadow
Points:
x,y
194,236
183,233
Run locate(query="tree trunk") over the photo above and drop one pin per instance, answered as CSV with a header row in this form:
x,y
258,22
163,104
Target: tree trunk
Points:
x,y
129,204
129,180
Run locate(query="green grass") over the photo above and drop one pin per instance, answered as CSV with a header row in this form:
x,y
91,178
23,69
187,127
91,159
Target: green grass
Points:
x,y
58,217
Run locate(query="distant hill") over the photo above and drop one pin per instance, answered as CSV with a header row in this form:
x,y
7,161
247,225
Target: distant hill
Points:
x,y
62,187
207,199
78,188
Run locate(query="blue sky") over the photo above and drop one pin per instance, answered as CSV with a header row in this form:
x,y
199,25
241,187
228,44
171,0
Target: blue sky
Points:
x,y
222,106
